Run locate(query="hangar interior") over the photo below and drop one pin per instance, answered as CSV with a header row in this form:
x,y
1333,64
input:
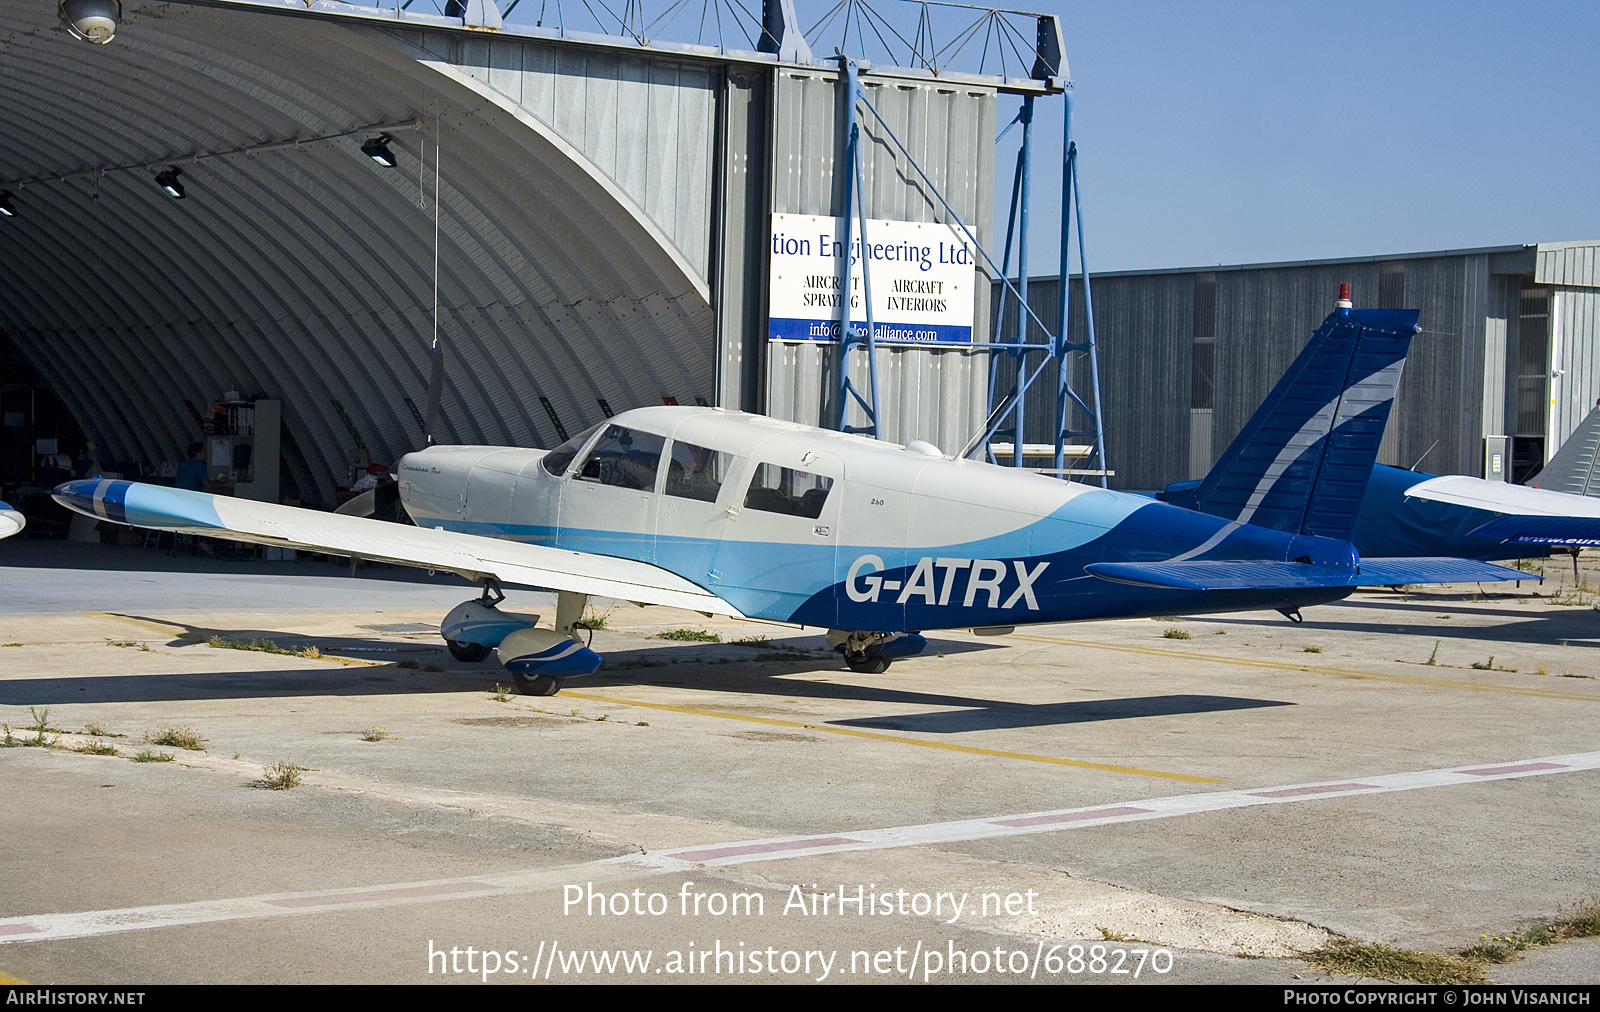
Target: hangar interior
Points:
x,y
202,223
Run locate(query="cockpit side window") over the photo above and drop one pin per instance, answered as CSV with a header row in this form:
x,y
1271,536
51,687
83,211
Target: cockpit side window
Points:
x,y
624,458
558,460
775,489
695,472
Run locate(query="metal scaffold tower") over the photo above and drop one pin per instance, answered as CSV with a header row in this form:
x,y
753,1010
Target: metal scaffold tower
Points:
x,y
1034,346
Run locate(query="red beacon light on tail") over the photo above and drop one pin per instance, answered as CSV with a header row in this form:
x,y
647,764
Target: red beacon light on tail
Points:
x,y
1344,298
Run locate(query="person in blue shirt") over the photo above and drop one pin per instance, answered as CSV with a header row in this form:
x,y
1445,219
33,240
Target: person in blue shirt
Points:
x,y
193,471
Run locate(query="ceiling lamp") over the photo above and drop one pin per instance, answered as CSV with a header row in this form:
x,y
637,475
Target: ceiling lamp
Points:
x,y
377,149
168,180
91,20
7,208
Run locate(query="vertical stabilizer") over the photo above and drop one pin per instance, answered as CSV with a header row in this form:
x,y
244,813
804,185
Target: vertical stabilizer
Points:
x,y
1302,462
1572,469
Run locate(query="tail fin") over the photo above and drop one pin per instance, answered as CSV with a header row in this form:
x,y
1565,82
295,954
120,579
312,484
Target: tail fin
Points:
x,y
1302,462
1574,466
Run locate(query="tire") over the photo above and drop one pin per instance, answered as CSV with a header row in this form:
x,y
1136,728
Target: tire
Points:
x,y
469,652
536,685
868,665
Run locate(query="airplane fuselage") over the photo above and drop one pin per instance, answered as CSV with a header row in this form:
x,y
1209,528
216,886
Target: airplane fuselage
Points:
x,y
815,527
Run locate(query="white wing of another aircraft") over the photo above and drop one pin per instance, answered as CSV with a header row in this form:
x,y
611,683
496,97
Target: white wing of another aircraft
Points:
x,y
469,555
1503,497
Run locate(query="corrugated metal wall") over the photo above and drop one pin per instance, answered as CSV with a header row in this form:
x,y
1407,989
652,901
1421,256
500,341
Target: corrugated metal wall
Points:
x,y
646,124
933,394
1575,341
1458,385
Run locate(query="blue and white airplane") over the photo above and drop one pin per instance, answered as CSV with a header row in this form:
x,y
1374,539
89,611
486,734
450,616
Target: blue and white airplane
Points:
x,y
737,514
11,520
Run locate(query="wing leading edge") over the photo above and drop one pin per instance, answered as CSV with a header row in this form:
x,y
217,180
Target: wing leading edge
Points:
x,y
467,555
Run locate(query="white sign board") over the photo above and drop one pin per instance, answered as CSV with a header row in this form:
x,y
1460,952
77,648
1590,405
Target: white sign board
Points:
x,y
923,280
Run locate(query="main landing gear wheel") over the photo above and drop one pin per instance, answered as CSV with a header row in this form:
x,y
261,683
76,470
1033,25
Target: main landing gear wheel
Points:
x,y
536,685
469,652
867,665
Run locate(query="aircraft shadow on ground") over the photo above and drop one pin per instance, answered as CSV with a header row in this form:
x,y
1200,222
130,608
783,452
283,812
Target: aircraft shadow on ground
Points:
x,y
1578,630
686,665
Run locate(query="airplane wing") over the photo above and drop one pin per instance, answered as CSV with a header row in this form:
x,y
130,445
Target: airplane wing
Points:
x,y
11,521
469,555
1224,575
1532,515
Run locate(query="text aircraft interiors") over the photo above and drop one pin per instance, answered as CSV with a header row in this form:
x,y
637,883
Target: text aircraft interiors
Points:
x,y
732,513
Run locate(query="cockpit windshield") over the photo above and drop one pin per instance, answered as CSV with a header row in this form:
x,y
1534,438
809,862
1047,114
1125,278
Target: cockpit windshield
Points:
x,y
558,460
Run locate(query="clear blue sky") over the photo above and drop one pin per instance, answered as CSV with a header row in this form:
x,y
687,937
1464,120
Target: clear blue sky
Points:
x,y
1239,132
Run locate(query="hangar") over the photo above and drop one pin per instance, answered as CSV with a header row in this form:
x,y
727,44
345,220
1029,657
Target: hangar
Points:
x,y
242,203
1506,365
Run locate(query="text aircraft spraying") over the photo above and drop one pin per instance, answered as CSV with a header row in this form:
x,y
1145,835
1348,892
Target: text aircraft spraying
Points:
x,y
738,514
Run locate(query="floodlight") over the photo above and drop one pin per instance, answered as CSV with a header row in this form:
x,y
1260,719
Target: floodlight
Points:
x,y
168,180
377,149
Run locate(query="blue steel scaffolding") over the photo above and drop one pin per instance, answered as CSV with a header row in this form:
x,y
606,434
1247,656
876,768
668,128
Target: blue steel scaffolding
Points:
x,y
1053,345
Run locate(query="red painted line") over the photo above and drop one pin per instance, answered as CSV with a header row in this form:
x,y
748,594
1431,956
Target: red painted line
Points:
x,y
1296,792
18,929
364,895
1489,771
713,853
1045,820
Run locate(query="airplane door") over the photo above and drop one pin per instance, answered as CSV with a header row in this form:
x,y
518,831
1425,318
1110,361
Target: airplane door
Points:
x,y
608,506
776,557
694,510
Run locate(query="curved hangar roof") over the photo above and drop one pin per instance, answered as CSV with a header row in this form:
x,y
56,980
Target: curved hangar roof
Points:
x,y
573,234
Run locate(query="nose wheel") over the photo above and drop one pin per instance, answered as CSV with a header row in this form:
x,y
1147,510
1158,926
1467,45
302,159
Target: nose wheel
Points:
x,y
469,652
867,665
536,685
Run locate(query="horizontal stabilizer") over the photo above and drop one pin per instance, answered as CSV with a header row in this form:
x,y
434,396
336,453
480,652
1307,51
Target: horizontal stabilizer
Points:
x,y
1525,530
469,555
1264,575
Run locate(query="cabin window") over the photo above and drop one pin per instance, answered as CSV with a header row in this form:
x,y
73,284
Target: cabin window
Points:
x,y
776,489
695,472
558,460
624,458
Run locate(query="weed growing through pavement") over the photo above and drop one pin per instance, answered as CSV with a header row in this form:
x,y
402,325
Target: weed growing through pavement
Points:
x,y
97,748
376,734
263,646
1584,923
500,693
150,755
1175,633
40,727
1433,658
134,644
689,636
281,775
177,737
1311,650
1374,959
7,740
594,619
98,730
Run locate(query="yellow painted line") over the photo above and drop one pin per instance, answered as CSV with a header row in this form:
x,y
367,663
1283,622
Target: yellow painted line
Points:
x,y
185,633
1135,771
6,978
1314,669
